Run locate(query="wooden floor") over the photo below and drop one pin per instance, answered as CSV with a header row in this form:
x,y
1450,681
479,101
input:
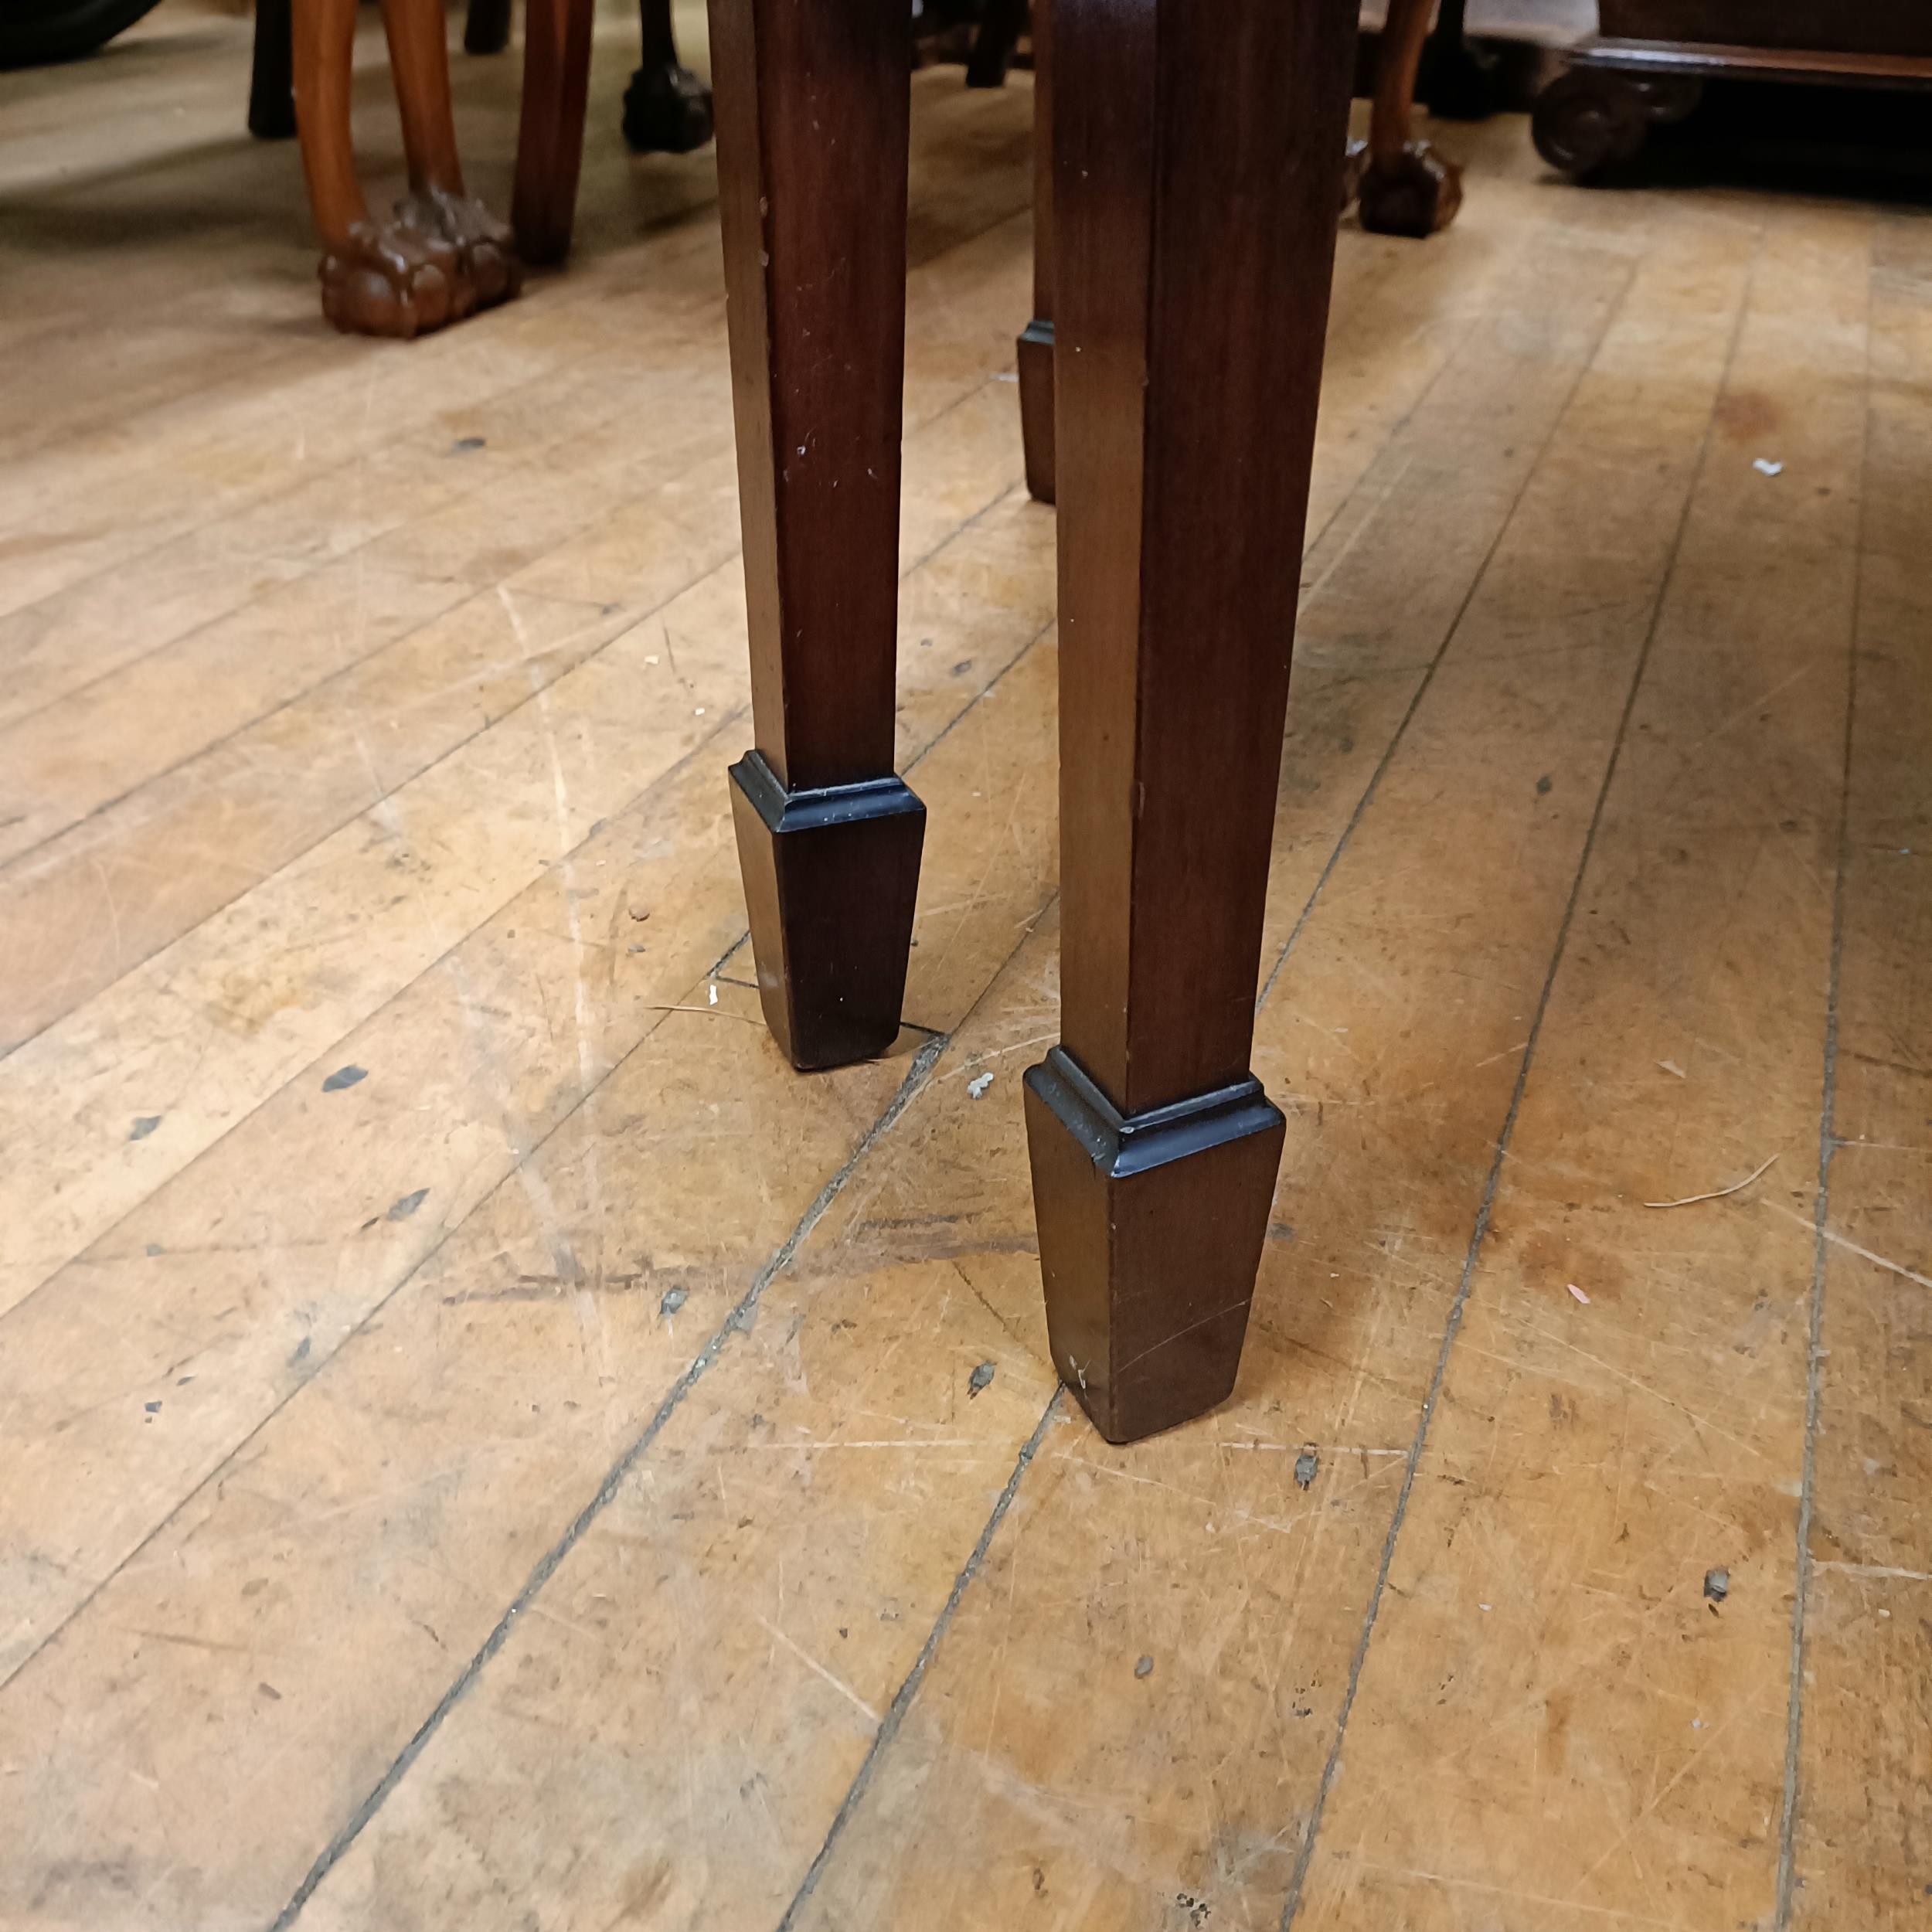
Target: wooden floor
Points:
x,y
482,1445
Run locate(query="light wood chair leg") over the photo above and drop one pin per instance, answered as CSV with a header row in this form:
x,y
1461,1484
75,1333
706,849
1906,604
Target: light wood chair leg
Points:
x,y
1195,200
813,105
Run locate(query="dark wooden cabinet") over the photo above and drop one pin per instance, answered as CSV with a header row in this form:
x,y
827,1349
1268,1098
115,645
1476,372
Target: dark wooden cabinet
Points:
x,y
1651,60
1821,26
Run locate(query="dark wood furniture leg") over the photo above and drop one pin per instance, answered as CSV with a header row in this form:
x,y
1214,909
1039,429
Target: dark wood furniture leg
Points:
x,y
1195,200
1000,28
667,108
1459,79
271,90
1404,186
486,27
549,144
1036,348
813,101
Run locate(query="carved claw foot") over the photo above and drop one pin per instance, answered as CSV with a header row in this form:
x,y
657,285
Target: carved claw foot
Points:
x,y
487,270
667,110
1417,194
386,280
440,258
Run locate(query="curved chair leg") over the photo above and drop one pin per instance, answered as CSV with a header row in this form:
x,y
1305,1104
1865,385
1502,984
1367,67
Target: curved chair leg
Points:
x,y
814,248
667,108
1035,346
1195,200
549,147
377,278
1404,186
440,255
487,269
271,90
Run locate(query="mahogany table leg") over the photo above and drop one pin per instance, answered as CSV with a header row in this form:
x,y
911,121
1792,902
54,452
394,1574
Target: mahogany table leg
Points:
x,y
813,102
1195,201
1404,187
1036,339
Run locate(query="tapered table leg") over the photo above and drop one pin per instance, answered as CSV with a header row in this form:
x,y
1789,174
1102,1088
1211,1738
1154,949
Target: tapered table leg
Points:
x,y
1035,348
813,101
1194,198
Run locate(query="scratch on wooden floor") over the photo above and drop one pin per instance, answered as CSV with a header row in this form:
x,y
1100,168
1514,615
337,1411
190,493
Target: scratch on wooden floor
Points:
x,y
817,1668
1852,1247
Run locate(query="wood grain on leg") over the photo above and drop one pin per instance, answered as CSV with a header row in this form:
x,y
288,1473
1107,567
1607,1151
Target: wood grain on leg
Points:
x,y
1036,348
813,109
549,147
1404,186
1195,205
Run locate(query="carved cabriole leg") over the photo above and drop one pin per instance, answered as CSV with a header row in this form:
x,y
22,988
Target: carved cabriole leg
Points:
x,y
549,147
1404,186
667,108
376,279
487,271
1035,348
1195,210
441,255
813,106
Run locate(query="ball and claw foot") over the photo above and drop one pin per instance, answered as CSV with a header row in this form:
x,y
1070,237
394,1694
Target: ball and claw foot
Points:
x,y
667,110
384,280
487,270
1416,195
439,260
